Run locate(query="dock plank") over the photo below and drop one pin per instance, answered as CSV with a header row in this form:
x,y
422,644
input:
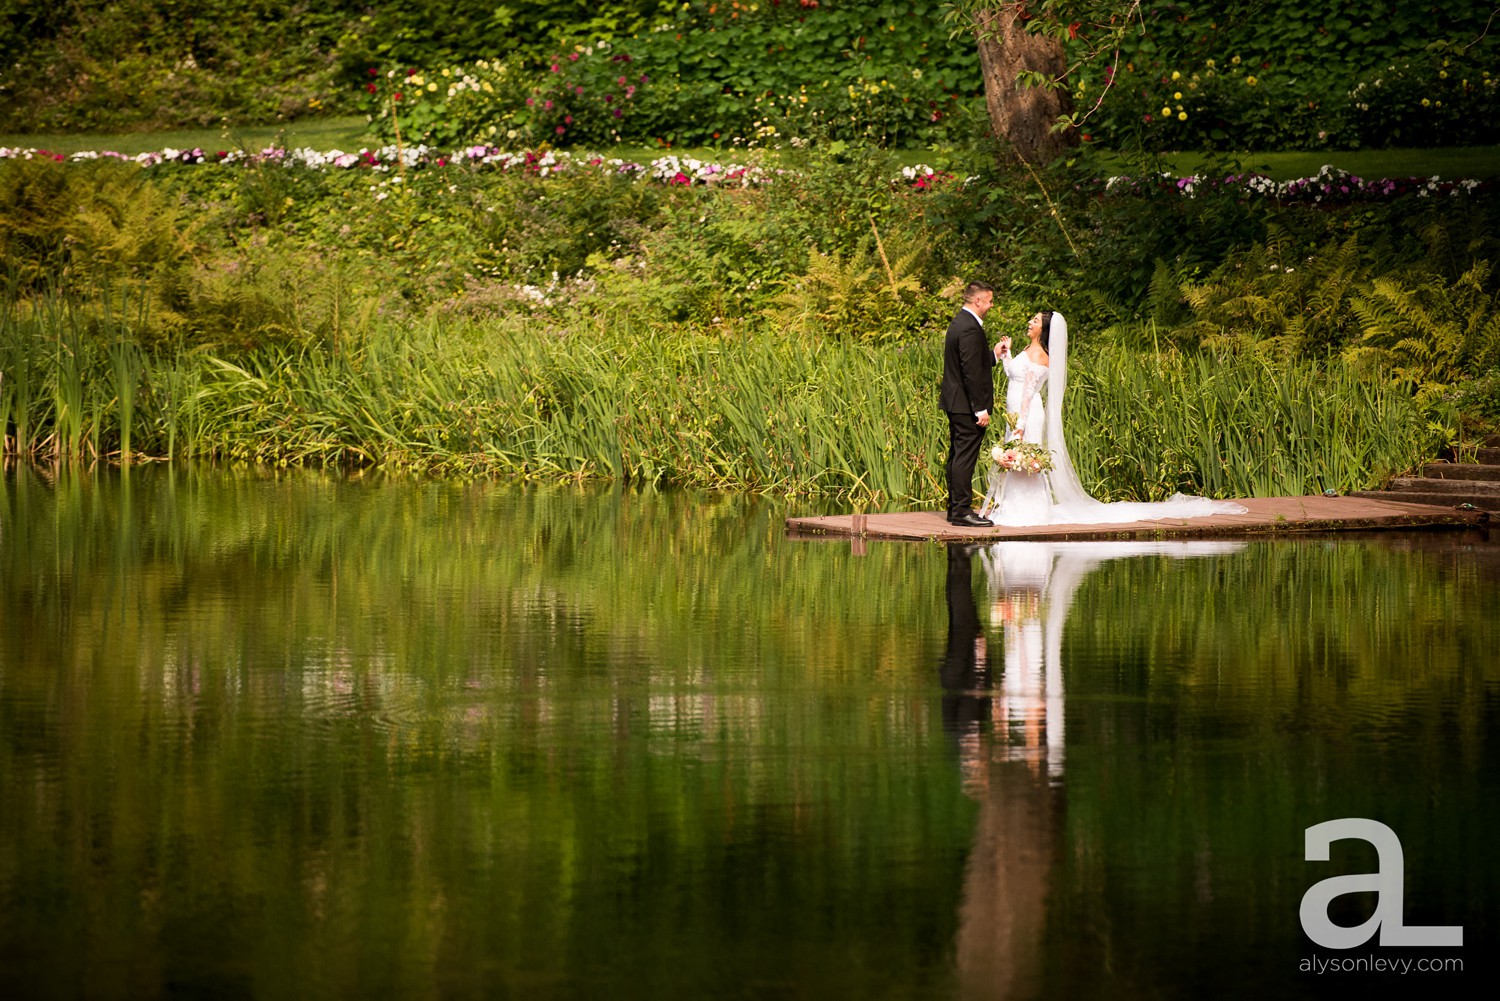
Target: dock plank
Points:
x,y
1265,516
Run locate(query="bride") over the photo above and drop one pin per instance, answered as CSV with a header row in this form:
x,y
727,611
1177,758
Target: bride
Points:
x,y
1036,381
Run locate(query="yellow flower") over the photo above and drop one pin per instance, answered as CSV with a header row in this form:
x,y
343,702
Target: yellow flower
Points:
x,y
1251,80
1426,103
432,86
1177,96
1210,64
1182,116
1166,112
1235,60
1176,75
1442,74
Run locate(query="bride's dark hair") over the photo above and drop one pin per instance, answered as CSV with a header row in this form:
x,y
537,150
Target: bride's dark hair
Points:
x,y
1046,334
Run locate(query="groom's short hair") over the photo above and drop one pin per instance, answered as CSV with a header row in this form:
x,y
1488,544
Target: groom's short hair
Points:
x,y
972,290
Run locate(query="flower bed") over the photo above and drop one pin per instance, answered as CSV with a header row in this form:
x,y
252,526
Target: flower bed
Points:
x,y
1329,186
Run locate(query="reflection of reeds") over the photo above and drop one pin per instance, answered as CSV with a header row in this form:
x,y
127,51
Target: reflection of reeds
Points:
x,y
760,412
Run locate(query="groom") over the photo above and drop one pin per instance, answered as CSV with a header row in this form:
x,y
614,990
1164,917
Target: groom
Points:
x,y
968,394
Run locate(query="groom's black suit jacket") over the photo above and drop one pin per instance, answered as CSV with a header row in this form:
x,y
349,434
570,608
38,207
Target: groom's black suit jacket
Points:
x,y
968,386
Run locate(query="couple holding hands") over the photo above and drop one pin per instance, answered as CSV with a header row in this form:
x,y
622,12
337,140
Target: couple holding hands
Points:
x,y
1032,480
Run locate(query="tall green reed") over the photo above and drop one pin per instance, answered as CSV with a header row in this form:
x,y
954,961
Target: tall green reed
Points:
x,y
751,411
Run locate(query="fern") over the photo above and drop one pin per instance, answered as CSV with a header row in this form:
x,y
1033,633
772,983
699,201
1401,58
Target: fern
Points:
x,y
1424,331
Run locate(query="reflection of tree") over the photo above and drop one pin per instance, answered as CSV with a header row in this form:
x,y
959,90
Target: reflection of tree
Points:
x,y
508,735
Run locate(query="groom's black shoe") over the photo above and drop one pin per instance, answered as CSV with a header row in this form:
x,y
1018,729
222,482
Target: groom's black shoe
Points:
x,y
970,520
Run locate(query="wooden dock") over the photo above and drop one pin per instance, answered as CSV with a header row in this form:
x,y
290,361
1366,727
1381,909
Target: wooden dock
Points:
x,y
1266,516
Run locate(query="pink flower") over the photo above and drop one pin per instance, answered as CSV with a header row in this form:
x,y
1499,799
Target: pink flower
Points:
x,y
530,101
578,89
630,91
643,78
568,119
561,130
547,105
618,112
556,68
680,178
572,57
621,81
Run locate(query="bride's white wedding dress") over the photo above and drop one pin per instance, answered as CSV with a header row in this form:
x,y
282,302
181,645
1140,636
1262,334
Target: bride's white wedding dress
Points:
x,y
1021,498
1057,497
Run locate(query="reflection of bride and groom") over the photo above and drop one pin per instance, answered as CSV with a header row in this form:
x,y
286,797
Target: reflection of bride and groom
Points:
x,y
1009,733
1036,381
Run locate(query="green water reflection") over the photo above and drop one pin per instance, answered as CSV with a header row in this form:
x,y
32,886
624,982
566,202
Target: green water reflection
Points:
x,y
301,735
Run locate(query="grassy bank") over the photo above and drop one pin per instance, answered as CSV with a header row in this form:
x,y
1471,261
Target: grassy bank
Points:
x,y
751,412
570,319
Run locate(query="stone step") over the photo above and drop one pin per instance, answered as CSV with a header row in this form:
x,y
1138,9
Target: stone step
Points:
x,y
1484,488
1460,471
1483,502
1487,456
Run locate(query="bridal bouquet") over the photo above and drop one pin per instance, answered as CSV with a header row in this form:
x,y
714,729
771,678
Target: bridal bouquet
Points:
x,y
1022,457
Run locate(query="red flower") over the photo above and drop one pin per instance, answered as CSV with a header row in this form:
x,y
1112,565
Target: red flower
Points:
x,y
396,96
370,87
412,71
1073,29
374,71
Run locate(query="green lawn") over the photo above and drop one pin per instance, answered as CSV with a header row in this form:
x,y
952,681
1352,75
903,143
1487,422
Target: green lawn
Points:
x,y
1450,163
320,133
348,134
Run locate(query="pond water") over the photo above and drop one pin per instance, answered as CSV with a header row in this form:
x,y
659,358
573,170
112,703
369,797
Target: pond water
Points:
x,y
292,734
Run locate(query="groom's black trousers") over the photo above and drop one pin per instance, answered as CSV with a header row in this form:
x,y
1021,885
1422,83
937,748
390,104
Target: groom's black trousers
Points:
x,y
965,436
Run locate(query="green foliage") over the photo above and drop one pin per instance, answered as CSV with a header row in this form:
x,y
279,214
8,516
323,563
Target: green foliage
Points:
x,y
62,225
1274,300
1422,330
128,63
1276,74
700,74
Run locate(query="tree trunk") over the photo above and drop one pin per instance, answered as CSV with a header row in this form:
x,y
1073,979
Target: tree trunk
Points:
x,y
1023,115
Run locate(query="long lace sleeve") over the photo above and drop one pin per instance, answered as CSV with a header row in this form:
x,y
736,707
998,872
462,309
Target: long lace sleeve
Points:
x,y
1029,387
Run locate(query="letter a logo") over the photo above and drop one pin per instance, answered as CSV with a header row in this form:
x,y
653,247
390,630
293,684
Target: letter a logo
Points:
x,y
1389,883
